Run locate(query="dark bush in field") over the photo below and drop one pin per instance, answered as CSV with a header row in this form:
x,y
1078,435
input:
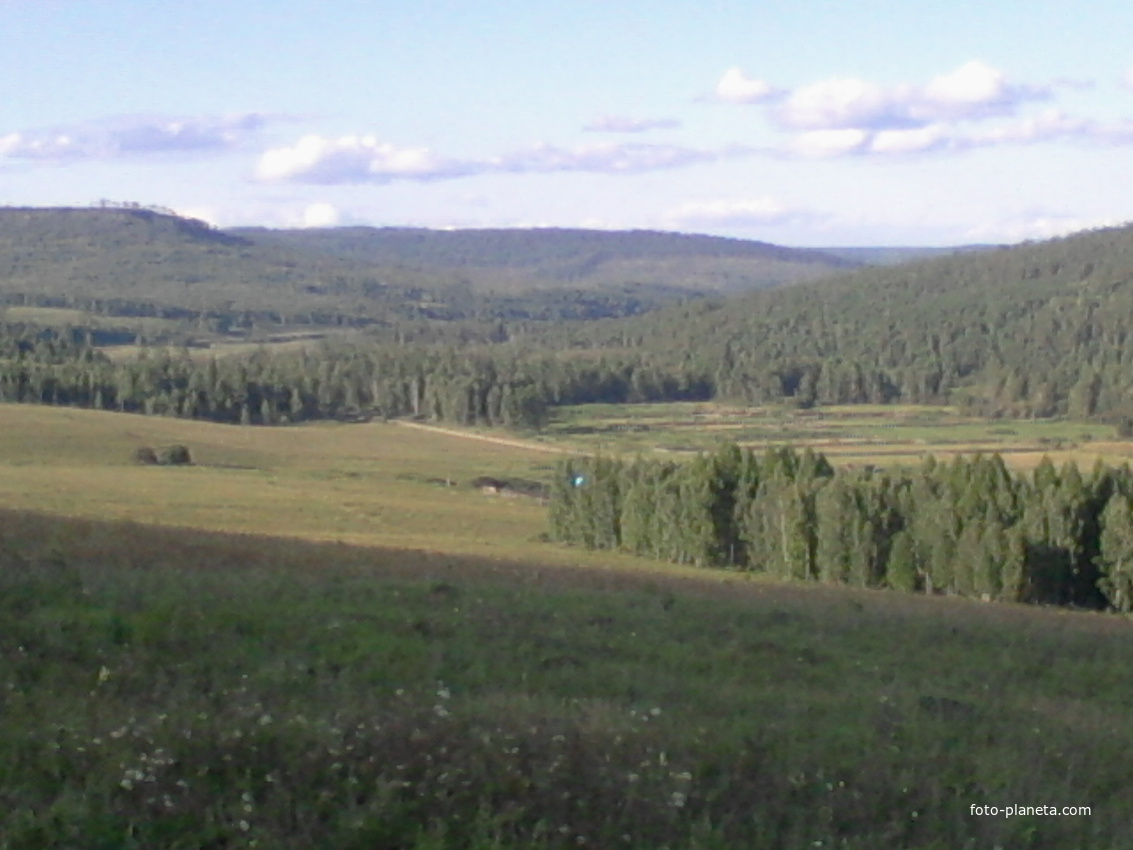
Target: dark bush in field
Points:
x,y
145,456
176,455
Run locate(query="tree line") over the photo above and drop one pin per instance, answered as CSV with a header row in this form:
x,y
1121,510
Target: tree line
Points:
x,y
445,383
967,527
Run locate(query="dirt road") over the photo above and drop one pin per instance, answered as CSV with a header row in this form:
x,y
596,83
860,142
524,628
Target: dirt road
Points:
x,y
503,441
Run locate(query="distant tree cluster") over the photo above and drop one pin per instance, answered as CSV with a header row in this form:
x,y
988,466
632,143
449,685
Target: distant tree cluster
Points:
x,y
968,527
329,382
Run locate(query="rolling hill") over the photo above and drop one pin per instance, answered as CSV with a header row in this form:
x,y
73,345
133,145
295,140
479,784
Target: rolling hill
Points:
x,y
521,259
1038,329
137,261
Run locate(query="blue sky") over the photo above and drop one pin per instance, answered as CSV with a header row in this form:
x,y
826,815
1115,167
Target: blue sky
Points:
x,y
815,122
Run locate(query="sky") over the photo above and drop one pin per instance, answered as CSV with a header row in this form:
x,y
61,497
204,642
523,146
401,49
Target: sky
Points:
x,y
808,123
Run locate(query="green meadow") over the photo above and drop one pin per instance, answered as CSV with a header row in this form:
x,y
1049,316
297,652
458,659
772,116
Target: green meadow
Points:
x,y
324,636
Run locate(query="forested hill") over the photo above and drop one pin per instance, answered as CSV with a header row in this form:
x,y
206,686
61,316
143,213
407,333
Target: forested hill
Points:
x,y
537,258
128,260
1037,329
119,260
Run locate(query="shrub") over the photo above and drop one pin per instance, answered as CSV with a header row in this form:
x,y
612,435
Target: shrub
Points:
x,y
145,455
176,455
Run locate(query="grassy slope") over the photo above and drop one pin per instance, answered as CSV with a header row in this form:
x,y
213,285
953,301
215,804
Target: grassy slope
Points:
x,y
187,688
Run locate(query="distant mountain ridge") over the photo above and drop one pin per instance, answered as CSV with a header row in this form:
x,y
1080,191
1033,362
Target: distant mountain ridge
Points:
x,y
128,252
510,259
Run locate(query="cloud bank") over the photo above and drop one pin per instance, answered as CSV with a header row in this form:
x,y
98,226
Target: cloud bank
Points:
x,y
367,159
737,87
972,106
133,135
974,91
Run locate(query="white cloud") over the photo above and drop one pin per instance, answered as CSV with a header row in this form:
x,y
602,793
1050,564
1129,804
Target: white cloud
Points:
x,y
736,87
972,91
916,140
133,135
823,143
749,212
841,103
321,214
365,159
1049,124
1128,78
625,124
606,159
352,159
39,146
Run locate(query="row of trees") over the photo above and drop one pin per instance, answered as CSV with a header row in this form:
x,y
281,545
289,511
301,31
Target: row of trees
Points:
x,y
969,527
327,382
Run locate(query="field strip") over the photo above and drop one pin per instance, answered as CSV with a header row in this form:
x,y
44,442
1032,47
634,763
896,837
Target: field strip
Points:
x,y
503,441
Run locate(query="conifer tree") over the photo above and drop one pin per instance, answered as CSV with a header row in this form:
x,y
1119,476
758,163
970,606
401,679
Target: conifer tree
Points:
x,y
1116,557
901,570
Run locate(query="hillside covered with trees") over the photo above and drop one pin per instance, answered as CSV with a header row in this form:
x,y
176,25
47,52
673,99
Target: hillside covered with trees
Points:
x,y
1040,329
1035,330
521,259
135,261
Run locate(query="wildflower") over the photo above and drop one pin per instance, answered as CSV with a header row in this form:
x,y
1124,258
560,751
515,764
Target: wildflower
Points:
x,y
678,799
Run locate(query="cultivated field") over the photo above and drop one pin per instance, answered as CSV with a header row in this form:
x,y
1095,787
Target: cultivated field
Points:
x,y
881,435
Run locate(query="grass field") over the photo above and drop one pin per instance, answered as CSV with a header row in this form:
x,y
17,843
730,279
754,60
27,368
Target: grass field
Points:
x,y
310,639
882,435
371,484
173,688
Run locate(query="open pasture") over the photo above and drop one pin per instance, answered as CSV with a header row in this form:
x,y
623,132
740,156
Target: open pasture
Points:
x,y
880,435
370,484
184,688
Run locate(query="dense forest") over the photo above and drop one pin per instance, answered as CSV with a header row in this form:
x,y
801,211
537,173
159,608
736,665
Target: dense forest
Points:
x,y
496,387
1035,330
969,527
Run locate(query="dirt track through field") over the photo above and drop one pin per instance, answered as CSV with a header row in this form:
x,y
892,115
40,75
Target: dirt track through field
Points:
x,y
503,441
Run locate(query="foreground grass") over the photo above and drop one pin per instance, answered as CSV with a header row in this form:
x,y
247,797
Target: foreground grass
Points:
x,y
173,689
